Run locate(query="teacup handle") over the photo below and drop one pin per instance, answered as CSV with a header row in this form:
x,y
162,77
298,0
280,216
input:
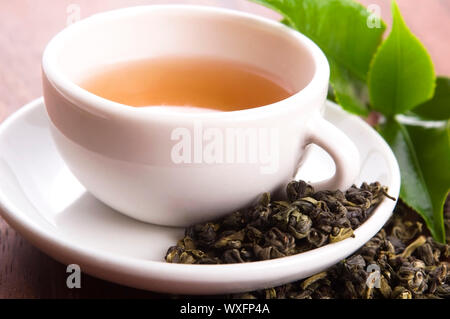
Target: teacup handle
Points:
x,y
342,150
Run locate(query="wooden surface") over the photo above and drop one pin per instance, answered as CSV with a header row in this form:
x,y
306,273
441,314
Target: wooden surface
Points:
x,y
27,25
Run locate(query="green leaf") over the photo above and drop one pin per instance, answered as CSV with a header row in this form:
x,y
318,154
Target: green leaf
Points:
x,y
349,91
401,75
286,22
438,108
339,28
423,154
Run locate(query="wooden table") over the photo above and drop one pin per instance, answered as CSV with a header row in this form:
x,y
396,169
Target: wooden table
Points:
x,y
27,25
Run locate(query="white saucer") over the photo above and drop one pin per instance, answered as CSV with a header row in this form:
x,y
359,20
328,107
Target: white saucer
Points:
x,y
44,202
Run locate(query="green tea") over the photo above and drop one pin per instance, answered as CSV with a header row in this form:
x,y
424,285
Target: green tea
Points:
x,y
186,81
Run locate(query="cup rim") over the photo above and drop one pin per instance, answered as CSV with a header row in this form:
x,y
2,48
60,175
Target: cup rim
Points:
x,y
100,105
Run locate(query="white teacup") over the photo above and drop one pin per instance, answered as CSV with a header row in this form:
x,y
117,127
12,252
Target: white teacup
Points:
x,y
128,157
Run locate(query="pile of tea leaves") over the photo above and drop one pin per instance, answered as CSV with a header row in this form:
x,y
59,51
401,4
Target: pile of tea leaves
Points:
x,y
273,229
401,262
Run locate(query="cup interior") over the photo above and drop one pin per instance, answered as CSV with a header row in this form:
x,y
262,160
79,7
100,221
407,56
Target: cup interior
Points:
x,y
155,31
